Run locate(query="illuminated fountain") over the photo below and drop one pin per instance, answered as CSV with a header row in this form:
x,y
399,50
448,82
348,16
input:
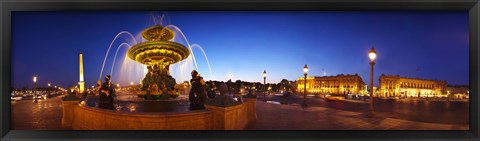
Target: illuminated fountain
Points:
x,y
158,53
152,57
133,70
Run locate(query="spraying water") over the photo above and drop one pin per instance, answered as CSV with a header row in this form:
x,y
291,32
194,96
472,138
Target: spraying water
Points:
x,y
206,58
131,71
115,57
114,39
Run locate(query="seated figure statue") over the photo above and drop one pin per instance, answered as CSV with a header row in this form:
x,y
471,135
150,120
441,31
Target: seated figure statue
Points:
x,y
222,100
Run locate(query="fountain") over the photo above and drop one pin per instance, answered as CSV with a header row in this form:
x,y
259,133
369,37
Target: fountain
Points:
x,y
158,53
156,106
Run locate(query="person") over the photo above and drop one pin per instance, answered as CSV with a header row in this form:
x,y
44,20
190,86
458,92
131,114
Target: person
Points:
x,y
197,94
106,94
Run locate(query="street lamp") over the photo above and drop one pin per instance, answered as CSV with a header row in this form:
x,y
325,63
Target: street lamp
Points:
x,y
264,81
35,89
305,70
372,55
49,86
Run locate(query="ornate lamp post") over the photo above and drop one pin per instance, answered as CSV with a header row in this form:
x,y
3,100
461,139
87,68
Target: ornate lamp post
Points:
x,y
35,89
264,86
305,70
372,55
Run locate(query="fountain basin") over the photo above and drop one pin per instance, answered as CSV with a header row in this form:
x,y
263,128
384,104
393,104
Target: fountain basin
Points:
x,y
91,118
140,105
151,53
78,115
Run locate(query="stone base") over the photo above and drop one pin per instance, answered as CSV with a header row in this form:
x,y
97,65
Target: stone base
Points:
x,y
68,112
81,117
251,103
88,118
229,118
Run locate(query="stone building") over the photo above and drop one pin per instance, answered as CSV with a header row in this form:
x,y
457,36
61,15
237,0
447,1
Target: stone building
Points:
x,y
458,91
397,86
339,84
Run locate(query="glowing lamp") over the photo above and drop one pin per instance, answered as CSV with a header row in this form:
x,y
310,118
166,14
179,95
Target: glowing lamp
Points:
x,y
372,54
305,69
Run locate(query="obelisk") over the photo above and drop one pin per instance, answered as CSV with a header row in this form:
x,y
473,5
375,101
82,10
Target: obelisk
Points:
x,y
81,83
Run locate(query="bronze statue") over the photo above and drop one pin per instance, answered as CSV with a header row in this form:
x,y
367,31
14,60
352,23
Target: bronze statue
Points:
x,y
106,93
197,94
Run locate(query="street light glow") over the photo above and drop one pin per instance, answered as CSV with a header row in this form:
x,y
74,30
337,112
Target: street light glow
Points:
x,y
264,73
48,84
35,79
131,83
372,54
305,69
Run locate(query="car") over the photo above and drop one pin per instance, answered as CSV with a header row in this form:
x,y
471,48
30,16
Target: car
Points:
x,y
16,98
334,97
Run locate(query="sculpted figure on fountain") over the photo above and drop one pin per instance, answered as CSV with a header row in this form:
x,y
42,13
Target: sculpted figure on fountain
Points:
x,y
197,94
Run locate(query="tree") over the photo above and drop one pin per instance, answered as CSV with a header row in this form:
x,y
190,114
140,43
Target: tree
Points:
x,y
285,85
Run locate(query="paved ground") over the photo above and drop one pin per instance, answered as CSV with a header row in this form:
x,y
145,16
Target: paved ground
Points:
x,y
293,117
44,115
453,112
47,115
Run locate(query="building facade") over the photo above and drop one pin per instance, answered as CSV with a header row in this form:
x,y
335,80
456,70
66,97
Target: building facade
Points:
x,y
396,86
339,84
458,91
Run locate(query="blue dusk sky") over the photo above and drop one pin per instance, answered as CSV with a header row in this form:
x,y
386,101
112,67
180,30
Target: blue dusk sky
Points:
x,y
429,45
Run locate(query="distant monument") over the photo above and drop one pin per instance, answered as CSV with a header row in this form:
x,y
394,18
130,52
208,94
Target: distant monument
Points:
x,y
81,83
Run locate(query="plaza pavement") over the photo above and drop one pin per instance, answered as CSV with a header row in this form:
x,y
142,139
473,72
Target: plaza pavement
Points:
x,y
47,115
293,117
44,115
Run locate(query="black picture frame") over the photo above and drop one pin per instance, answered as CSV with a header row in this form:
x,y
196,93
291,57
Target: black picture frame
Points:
x,y
7,6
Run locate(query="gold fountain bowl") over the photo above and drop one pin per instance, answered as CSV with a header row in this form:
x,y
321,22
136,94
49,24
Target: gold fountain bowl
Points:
x,y
155,52
158,33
